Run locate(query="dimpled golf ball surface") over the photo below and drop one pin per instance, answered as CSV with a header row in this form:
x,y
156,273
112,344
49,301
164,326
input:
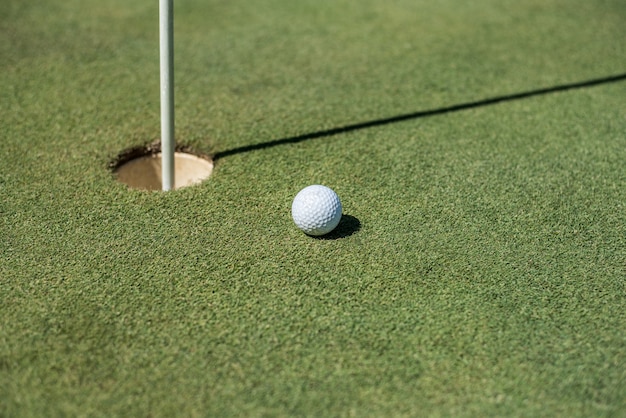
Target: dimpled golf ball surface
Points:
x,y
316,210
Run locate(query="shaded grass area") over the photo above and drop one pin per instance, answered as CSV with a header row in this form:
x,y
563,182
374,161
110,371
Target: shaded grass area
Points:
x,y
486,275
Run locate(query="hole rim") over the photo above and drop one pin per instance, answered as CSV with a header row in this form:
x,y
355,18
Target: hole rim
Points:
x,y
153,149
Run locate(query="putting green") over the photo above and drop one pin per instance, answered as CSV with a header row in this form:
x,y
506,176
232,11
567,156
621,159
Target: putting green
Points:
x,y
478,149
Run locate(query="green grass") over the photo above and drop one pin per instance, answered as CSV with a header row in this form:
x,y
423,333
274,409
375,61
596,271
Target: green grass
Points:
x,y
488,275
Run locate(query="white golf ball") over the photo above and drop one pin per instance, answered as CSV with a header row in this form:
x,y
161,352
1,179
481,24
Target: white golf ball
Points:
x,y
316,210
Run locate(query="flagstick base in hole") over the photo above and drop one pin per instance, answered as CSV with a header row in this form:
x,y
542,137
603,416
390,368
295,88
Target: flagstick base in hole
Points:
x,y
141,168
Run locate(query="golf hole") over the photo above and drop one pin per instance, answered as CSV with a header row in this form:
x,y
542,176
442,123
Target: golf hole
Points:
x,y
140,168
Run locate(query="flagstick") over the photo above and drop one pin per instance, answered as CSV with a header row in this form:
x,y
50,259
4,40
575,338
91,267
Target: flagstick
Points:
x,y
166,26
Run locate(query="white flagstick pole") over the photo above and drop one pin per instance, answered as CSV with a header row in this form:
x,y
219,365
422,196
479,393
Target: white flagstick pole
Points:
x,y
166,31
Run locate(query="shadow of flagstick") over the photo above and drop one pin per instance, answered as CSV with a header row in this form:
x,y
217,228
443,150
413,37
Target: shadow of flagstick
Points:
x,y
419,114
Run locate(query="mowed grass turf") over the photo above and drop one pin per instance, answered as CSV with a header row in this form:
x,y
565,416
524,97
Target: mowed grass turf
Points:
x,y
480,268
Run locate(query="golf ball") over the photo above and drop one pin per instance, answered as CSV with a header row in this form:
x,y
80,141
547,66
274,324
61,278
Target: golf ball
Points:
x,y
316,210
